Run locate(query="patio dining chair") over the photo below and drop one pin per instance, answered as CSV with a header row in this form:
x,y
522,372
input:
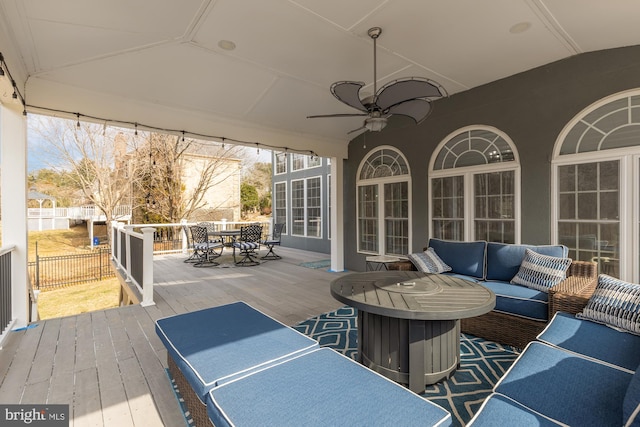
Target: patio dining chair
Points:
x,y
207,250
247,244
195,253
273,241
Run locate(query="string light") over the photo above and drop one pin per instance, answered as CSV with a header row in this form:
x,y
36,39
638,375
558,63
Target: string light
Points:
x,y
4,70
78,123
183,133
136,132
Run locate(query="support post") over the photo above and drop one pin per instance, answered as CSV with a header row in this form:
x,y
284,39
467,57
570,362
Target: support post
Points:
x,y
337,215
147,266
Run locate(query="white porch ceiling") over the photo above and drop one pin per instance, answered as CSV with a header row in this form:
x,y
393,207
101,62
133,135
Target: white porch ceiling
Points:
x,y
158,62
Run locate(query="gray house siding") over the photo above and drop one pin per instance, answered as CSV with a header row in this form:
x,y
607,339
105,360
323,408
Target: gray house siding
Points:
x,y
532,108
317,244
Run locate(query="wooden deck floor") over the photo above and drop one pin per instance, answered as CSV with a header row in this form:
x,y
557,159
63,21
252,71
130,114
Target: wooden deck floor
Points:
x,y
109,366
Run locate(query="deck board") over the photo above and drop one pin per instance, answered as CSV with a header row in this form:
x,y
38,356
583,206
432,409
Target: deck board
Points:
x,y
109,366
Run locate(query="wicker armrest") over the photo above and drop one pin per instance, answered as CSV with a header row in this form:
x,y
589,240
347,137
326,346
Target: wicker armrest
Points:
x,y
572,294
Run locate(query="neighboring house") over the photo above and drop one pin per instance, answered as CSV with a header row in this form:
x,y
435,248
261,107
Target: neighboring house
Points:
x,y
222,200
300,200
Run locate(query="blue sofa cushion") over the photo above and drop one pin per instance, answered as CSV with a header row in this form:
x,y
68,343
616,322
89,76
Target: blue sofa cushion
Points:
x,y
320,388
593,340
615,303
504,259
428,262
499,410
566,387
217,344
631,403
466,258
541,272
520,300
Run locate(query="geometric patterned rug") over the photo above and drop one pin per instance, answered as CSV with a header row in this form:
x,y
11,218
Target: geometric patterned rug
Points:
x,y
482,362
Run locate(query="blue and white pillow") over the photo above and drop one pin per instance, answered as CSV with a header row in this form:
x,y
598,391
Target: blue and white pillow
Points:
x,y
541,272
615,303
429,262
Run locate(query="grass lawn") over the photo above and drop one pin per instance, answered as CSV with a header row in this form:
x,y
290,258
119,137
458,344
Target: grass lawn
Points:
x,y
78,299
72,299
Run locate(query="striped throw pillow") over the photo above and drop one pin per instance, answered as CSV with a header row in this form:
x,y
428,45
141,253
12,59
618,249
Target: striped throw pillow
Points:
x,y
428,262
541,272
615,303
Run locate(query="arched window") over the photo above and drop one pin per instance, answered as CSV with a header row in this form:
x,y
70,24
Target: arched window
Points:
x,y
475,187
595,179
383,207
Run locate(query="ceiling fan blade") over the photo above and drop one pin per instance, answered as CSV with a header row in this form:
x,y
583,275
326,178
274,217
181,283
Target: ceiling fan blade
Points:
x,y
337,115
348,93
401,90
417,109
356,130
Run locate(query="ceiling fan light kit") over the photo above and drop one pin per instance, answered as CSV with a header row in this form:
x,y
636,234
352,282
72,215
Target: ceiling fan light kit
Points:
x,y
410,96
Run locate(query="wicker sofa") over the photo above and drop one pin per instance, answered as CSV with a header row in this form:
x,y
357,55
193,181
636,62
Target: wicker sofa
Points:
x,y
520,313
577,372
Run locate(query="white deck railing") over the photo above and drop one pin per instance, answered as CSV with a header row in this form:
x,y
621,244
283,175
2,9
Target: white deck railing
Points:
x,y
78,212
133,247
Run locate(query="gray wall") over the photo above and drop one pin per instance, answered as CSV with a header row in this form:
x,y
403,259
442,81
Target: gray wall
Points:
x,y
314,244
532,108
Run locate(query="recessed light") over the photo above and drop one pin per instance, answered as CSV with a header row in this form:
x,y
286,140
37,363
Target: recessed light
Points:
x,y
226,44
520,27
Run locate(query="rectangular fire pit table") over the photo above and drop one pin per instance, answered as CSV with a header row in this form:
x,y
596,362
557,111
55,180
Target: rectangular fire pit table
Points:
x,y
409,322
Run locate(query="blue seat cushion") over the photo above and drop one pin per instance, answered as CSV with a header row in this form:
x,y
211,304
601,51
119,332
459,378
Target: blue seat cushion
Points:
x,y
466,258
631,403
217,344
593,340
503,259
520,300
566,387
499,410
321,388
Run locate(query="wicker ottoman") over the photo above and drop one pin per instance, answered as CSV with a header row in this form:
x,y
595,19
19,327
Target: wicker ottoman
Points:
x,y
210,347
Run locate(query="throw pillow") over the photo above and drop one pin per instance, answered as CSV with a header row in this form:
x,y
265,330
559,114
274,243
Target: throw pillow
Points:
x,y
428,262
541,272
615,303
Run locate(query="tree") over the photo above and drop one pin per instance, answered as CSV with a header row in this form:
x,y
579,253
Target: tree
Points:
x,y
93,156
259,176
249,197
182,175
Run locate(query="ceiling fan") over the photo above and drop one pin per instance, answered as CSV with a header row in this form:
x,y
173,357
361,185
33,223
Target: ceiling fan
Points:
x,y
410,96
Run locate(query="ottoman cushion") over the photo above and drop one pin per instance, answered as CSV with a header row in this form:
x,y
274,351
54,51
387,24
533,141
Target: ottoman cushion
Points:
x,y
320,388
215,345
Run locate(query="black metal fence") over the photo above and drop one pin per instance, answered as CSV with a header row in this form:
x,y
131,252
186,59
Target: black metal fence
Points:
x,y
5,290
50,272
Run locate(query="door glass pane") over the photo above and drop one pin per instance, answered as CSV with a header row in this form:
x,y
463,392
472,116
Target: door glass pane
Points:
x,y
368,218
447,203
396,215
494,206
589,213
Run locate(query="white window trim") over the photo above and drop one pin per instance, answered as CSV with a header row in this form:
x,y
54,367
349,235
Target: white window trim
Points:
x,y
629,159
305,180
286,201
379,182
467,172
275,163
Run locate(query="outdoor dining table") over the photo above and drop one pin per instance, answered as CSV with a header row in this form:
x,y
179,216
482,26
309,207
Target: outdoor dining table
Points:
x,y
228,236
